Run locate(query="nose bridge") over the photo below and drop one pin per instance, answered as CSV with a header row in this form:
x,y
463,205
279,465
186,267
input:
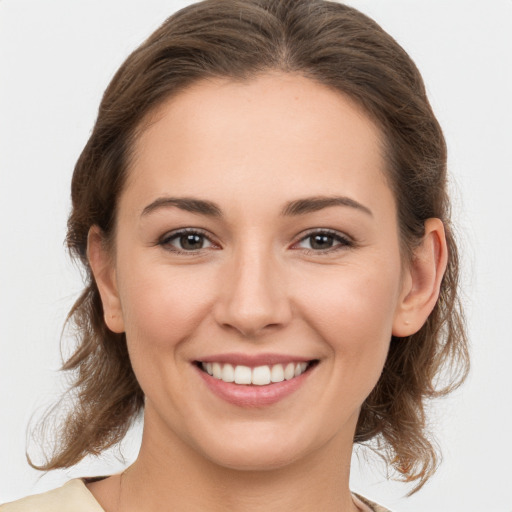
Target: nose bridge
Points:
x,y
254,293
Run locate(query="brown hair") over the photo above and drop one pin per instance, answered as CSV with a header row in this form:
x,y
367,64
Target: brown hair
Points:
x,y
334,45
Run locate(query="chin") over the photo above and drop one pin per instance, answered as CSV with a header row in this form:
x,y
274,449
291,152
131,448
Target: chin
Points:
x,y
256,450
253,459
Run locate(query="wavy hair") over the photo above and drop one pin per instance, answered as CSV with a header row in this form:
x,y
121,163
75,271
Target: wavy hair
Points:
x,y
334,45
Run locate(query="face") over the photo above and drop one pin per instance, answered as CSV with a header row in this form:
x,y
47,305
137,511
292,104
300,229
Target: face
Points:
x,y
257,241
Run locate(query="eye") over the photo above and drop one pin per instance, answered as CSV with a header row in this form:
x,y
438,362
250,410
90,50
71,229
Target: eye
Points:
x,y
324,241
186,240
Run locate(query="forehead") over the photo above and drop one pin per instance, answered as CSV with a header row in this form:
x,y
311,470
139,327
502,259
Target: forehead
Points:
x,y
277,134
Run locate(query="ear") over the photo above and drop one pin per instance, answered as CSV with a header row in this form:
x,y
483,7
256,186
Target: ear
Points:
x,y
422,280
103,269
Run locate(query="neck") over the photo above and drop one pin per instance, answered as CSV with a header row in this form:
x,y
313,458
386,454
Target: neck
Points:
x,y
170,475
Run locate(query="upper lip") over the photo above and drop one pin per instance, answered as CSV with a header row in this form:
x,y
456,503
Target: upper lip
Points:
x,y
254,360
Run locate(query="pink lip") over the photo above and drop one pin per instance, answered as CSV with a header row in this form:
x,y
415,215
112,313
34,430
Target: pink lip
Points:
x,y
251,395
254,360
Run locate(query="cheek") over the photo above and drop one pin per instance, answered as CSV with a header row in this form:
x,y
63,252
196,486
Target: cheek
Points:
x,y
352,309
356,297
162,306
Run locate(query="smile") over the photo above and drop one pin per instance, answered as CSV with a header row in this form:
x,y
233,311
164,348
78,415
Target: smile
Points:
x,y
257,376
254,381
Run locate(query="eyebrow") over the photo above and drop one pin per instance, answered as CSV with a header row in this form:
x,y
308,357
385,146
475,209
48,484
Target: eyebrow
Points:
x,y
293,208
316,203
188,204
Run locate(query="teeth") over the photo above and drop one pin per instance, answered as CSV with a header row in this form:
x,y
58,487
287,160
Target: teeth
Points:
x,y
242,375
259,376
299,368
228,373
289,371
217,370
277,373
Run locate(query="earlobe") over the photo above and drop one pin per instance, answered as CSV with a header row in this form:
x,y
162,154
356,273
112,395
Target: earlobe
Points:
x,y
423,280
104,274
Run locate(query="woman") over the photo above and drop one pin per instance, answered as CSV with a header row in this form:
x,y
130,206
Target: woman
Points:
x,y
262,212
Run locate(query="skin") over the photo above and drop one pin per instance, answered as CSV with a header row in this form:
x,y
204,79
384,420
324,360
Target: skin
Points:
x,y
257,285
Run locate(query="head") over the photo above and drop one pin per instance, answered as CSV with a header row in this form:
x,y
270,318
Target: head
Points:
x,y
341,62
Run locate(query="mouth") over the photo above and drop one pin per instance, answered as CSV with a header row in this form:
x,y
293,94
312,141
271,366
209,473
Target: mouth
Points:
x,y
262,375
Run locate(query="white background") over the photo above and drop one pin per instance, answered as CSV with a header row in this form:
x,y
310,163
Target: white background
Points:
x,y
57,56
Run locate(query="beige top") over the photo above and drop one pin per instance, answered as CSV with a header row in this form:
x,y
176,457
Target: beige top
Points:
x,y
75,497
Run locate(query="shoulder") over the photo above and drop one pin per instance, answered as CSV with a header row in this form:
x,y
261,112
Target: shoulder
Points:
x,y
73,496
370,505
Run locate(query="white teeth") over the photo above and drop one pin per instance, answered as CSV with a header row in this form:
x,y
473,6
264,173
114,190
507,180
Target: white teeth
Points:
x,y
277,373
228,373
289,371
261,375
300,368
217,370
258,376
243,375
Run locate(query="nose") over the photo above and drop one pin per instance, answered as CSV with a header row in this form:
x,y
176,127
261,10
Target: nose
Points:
x,y
253,299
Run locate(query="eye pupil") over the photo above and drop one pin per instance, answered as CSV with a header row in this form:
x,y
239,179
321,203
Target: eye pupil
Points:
x,y
321,241
191,241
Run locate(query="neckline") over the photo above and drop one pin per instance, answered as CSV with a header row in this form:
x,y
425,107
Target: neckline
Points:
x,y
363,503
84,481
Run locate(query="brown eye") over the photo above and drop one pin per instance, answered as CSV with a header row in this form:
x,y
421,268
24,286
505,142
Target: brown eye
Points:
x,y
321,241
324,241
191,242
186,241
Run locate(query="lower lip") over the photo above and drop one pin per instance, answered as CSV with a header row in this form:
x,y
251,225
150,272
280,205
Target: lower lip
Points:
x,y
251,395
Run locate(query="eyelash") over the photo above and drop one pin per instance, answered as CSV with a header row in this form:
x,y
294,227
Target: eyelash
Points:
x,y
166,240
344,242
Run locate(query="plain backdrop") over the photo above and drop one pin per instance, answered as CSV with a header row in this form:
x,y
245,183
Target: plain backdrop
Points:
x,y
56,58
